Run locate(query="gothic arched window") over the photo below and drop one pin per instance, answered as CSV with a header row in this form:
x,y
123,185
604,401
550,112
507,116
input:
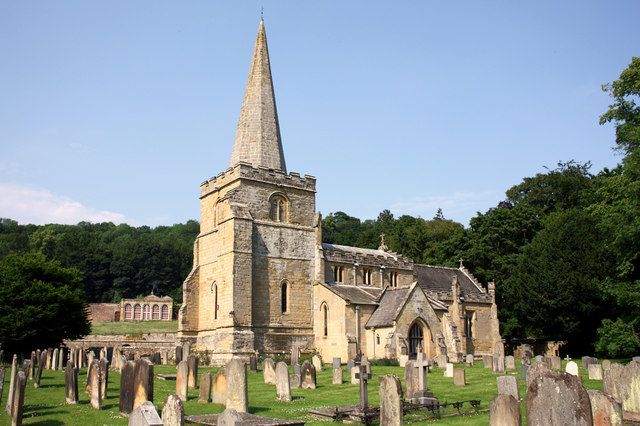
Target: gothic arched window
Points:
x,y
278,208
284,296
325,319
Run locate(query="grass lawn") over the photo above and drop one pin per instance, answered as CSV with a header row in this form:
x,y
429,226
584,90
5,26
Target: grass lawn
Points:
x,y
134,327
45,405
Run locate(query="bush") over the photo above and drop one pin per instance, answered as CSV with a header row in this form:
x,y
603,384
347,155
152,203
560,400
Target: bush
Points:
x,y
616,339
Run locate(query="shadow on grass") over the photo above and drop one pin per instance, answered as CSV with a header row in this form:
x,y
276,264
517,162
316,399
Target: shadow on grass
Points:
x,y
50,386
47,423
254,410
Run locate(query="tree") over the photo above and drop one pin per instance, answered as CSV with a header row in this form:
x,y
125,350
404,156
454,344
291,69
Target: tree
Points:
x,y
617,339
42,303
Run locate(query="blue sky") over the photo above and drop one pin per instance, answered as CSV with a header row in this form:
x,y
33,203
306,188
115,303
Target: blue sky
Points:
x,y
118,110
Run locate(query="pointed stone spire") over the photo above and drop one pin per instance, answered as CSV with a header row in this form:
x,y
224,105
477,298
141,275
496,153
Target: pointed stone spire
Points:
x,y
258,135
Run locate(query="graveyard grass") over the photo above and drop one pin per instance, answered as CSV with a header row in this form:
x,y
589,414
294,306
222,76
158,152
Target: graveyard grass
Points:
x,y
134,327
45,405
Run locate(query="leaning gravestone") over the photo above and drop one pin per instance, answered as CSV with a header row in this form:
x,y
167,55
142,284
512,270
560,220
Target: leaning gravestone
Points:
x,y
572,368
505,411
307,376
317,362
269,371
205,388
71,383
17,407
219,387
104,377
604,409
193,362
283,387
182,380
459,377
173,411
127,376
94,385
142,382
12,384
145,415
237,397
508,385
545,407
510,362
595,372
41,363
623,384
390,401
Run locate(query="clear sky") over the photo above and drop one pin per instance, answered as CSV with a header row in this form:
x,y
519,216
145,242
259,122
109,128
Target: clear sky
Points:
x,y
117,110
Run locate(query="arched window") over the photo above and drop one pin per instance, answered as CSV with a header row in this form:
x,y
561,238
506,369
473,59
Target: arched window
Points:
x,y
137,312
416,339
127,311
325,319
155,312
278,208
393,279
377,338
215,300
337,274
165,312
145,313
284,297
366,276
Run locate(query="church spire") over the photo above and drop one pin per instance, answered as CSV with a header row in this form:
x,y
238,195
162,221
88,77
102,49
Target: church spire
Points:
x,y
258,134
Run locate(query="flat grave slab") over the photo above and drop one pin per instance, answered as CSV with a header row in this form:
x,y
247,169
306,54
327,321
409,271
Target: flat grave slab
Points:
x,y
167,376
247,420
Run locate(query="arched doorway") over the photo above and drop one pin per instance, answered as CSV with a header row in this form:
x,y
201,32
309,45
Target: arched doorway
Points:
x,y
416,339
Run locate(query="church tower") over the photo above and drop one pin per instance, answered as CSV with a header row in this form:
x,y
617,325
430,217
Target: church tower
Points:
x,y
250,288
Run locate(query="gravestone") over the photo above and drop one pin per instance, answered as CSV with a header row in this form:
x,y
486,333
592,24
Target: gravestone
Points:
x,y
587,360
205,388
155,358
402,360
48,363
498,364
336,362
538,358
508,385
164,358
420,393
186,350
487,361
26,367
193,363
178,355
182,380
90,357
283,387
505,411
12,384
545,407
1,381
295,354
350,364
572,368
173,411
363,376
390,401
145,415
510,362
606,364
219,387
17,406
71,383
93,384
459,377
556,363
229,417
41,364
604,409
317,362
536,370
142,382
524,369
448,371
61,358
33,365
469,360
54,359
623,384
595,372
127,379
410,379
294,380
337,376
307,376
253,363
269,371
636,359
354,379
104,377
237,397
296,369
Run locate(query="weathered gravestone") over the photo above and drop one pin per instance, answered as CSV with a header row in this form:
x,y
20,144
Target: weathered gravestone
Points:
x,y
538,358
26,367
205,388
556,363
587,360
420,394
545,407
54,359
186,350
350,364
269,371
606,364
508,385
363,376
524,369
219,387
505,411
104,377
33,365
307,376
572,368
71,383
487,361
283,387
17,406
469,360
317,362
61,358
595,372
410,379
173,411
182,380
336,362
604,409
193,362
127,379
459,377
41,363
1,382
354,370
510,362
498,364
12,384
402,360
390,401
253,363
93,384
623,384
178,354
164,358
237,397
142,382
337,376
295,354
145,415
448,371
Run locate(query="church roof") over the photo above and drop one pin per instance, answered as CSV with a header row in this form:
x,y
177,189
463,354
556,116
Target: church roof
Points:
x,y
258,140
438,279
360,251
390,305
356,294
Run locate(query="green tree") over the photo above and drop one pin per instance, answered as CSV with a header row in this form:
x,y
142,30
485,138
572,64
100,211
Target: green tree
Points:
x,y
617,339
42,303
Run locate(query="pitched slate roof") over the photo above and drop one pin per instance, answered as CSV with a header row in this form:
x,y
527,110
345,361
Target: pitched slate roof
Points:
x,y
356,294
359,250
438,278
391,303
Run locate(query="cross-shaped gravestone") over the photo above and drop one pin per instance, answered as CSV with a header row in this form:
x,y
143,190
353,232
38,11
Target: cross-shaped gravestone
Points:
x,y
363,375
422,365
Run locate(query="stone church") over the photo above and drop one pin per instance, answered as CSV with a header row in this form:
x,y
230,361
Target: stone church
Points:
x,y
264,282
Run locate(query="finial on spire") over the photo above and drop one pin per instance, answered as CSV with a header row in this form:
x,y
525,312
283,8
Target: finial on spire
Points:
x,y
383,246
461,265
262,13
